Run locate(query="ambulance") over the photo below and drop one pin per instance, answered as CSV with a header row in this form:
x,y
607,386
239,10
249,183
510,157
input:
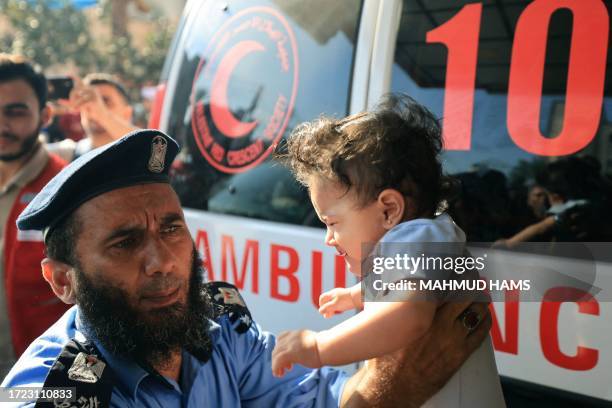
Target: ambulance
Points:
x,y
518,84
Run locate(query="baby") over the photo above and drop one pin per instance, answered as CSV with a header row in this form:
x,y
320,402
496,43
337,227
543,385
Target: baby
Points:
x,y
376,178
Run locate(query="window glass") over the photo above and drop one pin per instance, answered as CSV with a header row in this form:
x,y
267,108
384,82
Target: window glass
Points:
x,y
250,73
523,89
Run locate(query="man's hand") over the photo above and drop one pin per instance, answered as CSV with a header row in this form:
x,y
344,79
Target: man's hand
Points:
x,y
410,376
295,347
87,101
106,115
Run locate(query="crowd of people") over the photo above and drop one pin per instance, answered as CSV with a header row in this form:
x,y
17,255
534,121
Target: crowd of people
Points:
x,y
565,200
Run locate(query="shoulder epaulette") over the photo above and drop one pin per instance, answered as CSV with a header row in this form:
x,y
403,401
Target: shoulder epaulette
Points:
x,y
227,301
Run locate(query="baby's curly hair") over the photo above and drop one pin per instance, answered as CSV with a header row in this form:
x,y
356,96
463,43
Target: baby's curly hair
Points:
x,y
395,145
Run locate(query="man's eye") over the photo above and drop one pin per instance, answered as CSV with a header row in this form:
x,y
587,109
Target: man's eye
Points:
x,y
124,243
16,113
170,229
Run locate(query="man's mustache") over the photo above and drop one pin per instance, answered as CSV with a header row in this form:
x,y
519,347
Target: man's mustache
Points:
x,y
158,285
10,136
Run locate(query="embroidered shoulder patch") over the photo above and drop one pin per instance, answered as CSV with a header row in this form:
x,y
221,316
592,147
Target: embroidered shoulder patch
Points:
x,y
227,300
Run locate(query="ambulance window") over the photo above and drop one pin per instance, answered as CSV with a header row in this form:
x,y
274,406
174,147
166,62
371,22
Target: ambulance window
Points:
x,y
526,123
250,72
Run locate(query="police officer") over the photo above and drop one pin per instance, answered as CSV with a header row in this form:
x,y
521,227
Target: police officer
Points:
x,y
147,331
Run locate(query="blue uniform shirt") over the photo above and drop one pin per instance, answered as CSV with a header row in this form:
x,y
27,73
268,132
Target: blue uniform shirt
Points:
x,y
238,373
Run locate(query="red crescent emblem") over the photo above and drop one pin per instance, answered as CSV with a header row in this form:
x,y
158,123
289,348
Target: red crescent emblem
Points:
x,y
224,120
258,42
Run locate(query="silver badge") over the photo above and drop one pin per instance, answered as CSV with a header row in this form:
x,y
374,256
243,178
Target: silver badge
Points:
x,y
158,154
86,368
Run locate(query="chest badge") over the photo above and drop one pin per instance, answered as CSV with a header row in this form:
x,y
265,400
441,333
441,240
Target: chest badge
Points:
x,y
86,368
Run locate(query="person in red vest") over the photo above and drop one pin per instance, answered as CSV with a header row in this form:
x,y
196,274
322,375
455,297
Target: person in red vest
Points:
x,y
27,304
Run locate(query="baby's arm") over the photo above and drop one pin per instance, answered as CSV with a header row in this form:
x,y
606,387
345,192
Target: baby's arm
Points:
x,y
383,327
295,347
339,300
380,329
300,346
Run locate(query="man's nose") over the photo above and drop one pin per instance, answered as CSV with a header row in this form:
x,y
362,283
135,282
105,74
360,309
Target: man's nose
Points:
x,y
159,258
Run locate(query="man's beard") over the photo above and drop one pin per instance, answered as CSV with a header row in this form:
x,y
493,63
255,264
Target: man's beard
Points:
x,y
26,146
149,336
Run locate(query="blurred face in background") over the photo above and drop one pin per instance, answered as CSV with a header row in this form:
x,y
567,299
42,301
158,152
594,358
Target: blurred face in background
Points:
x,y
114,102
537,200
21,118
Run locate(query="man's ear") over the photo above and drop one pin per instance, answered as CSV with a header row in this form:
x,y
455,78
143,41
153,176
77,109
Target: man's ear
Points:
x,y
393,205
61,278
46,115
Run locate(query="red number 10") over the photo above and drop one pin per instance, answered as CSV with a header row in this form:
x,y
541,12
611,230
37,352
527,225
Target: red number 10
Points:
x,y
585,81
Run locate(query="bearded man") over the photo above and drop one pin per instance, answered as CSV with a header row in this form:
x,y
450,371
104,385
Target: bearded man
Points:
x,y
146,330
27,305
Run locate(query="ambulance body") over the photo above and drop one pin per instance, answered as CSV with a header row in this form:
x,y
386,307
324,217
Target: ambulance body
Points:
x,y
517,83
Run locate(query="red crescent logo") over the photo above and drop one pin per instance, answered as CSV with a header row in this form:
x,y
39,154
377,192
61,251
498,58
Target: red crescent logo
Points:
x,y
256,45
224,120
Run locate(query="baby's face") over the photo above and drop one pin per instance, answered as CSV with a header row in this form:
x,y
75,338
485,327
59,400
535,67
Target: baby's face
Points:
x,y
348,225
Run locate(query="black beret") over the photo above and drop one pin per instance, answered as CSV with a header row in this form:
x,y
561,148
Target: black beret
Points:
x,y
140,157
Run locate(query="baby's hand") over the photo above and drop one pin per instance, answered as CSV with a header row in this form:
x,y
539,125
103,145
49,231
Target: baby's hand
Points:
x,y
295,347
337,300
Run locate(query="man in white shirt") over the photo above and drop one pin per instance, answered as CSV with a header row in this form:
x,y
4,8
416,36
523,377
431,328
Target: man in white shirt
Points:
x,y
106,114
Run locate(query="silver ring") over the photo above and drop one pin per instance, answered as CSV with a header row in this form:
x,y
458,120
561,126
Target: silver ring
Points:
x,y
470,319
